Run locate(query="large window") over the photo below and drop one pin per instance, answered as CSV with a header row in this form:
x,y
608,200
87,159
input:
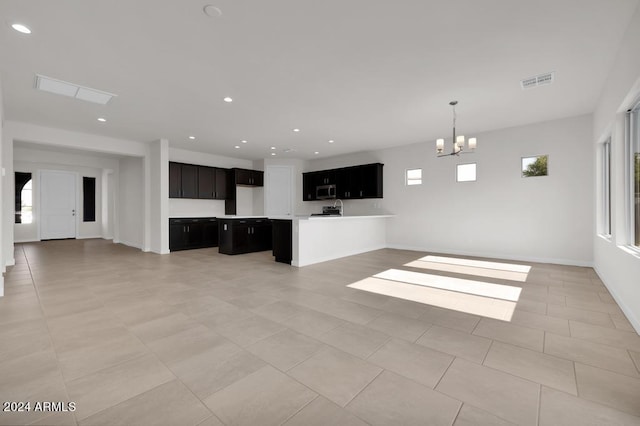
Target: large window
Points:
x,y
24,197
606,188
634,169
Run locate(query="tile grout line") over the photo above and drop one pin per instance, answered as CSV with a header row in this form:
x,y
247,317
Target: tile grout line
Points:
x,y
44,317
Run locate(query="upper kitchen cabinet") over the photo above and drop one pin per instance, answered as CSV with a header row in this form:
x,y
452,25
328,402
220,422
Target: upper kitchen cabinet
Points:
x,y
249,177
355,182
192,181
183,180
212,183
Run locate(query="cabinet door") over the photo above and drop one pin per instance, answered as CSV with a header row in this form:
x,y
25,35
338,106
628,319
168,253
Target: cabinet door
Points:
x,y
281,237
243,177
206,182
175,180
240,235
221,184
371,181
260,235
194,234
189,183
210,233
257,178
177,237
308,187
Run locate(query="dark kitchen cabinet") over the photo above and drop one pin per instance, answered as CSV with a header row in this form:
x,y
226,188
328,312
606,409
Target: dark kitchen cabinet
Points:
x,y
238,236
192,233
364,181
222,182
309,186
183,180
249,177
282,233
212,183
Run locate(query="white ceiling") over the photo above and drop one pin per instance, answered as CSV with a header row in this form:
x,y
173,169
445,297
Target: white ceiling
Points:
x,y
368,74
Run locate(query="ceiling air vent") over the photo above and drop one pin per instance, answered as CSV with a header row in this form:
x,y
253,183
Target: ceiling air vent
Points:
x,y
538,80
72,90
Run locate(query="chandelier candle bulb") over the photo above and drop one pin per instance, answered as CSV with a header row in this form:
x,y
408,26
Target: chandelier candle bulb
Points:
x,y
457,141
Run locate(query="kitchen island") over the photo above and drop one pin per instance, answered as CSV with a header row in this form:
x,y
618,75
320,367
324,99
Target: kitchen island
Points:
x,y
318,239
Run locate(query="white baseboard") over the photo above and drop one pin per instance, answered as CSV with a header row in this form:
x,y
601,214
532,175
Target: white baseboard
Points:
x,y
628,312
1,286
130,244
497,256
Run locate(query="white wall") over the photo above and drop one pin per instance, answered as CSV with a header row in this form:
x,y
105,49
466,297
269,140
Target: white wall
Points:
x,y
157,197
33,160
618,267
500,215
2,257
131,206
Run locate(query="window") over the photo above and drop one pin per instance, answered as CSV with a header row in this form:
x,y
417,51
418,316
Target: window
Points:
x,y
414,176
24,198
535,166
606,187
633,135
88,199
466,172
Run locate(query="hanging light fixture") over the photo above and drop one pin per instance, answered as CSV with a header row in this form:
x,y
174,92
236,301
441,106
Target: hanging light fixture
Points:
x,y
458,141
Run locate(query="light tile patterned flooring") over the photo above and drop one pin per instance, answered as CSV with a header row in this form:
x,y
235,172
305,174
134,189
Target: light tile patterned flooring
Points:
x,y
196,337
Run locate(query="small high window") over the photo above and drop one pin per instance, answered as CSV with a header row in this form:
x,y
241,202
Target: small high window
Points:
x,y
414,177
466,172
606,187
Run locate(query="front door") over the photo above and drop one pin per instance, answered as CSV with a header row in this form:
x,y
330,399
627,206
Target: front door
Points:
x,y
57,205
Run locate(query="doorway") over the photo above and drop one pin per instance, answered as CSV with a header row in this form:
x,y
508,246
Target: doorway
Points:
x,y
57,205
278,190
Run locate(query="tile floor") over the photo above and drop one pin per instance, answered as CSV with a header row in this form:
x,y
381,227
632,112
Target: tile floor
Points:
x,y
199,338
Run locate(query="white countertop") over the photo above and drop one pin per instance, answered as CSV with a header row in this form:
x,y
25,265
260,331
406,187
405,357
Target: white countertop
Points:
x,y
308,217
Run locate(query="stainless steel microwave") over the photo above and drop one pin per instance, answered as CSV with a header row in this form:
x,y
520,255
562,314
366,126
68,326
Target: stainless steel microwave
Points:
x,y
324,192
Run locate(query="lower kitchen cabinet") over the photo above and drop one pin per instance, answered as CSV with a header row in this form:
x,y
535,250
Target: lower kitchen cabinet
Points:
x,y
193,233
238,236
282,233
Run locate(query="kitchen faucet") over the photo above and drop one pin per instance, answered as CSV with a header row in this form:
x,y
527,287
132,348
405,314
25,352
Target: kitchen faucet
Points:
x,y
341,206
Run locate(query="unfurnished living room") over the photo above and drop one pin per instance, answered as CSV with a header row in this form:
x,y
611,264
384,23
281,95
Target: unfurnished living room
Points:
x,y
287,212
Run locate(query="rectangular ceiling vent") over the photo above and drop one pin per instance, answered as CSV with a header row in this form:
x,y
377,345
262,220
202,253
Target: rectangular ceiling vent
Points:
x,y
64,88
539,80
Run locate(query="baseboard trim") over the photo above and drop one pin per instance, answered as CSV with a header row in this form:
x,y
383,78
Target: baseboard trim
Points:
x,y
628,312
130,244
497,256
336,256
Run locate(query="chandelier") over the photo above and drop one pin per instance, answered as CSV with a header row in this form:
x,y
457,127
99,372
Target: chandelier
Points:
x,y
458,141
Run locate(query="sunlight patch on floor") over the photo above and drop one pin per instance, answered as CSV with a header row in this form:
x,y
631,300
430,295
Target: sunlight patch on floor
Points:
x,y
481,268
477,288
463,302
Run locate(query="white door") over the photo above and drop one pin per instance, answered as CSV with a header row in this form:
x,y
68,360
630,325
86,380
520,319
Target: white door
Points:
x,y
57,205
278,190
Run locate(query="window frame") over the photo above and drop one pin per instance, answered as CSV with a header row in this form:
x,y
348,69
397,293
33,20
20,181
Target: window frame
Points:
x,y
475,178
632,137
606,222
407,179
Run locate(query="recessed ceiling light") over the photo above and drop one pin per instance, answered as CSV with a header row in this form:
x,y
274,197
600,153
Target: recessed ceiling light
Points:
x,y
21,28
102,119
331,141
296,130
237,146
192,137
273,153
273,147
244,141
228,99
316,153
